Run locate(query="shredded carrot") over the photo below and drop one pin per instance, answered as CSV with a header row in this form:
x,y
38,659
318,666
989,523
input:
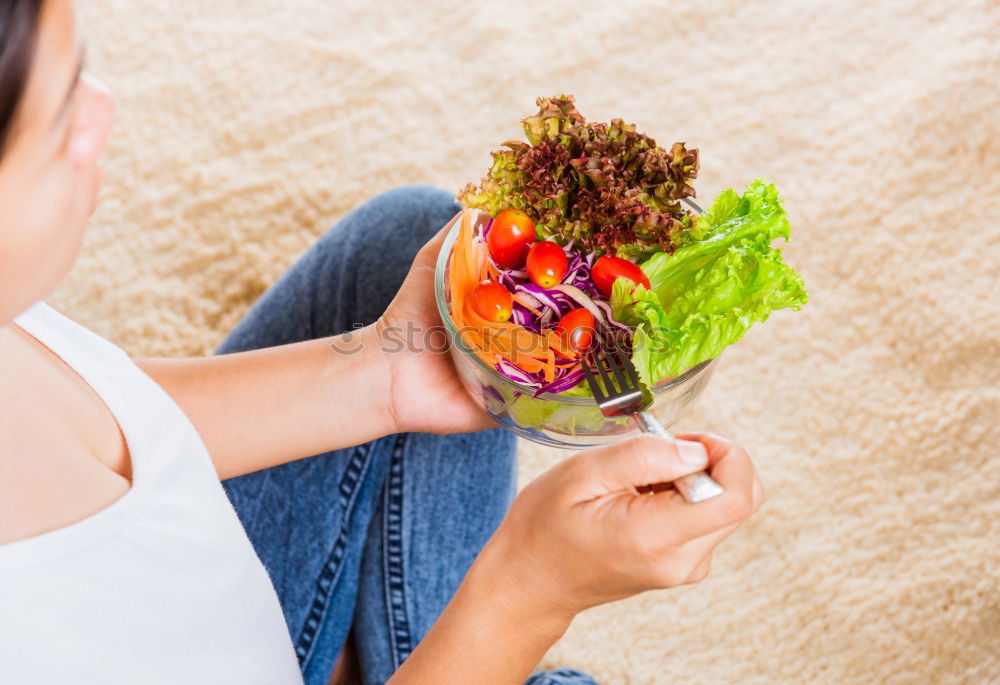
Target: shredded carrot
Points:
x,y
516,338
561,346
492,340
527,364
550,367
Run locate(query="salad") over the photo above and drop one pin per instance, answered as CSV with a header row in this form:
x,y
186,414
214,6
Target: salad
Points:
x,y
590,236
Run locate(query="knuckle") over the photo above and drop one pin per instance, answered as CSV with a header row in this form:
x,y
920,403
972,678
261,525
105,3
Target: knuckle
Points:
x,y
580,467
697,577
672,575
638,445
645,452
668,578
562,482
642,446
720,440
580,461
738,506
647,548
652,548
700,572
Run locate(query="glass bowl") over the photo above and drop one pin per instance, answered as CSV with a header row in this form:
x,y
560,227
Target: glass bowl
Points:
x,y
549,419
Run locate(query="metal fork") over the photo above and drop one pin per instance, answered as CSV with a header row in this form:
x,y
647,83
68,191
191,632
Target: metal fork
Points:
x,y
632,398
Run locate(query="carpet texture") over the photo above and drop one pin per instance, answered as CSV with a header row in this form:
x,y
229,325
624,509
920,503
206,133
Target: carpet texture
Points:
x,y
246,128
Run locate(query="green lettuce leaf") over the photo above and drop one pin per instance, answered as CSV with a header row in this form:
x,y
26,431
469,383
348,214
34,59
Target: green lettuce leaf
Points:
x,y
711,290
530,412
641,309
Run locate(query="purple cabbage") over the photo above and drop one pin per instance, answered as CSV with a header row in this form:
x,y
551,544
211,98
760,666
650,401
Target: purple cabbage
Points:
x,y
568,381
553,304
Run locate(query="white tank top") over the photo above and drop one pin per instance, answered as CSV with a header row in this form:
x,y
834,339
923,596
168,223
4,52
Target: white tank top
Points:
x,y
162,586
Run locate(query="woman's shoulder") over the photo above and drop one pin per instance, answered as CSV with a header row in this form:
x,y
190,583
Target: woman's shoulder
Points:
x,y
57,448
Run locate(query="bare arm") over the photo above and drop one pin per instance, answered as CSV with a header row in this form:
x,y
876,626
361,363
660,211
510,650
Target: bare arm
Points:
x,y
264,407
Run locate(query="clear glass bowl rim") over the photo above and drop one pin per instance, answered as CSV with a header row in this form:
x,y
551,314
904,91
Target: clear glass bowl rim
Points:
x,y
496,376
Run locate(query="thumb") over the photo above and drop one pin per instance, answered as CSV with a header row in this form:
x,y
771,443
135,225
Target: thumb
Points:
x,y
433,246
639,461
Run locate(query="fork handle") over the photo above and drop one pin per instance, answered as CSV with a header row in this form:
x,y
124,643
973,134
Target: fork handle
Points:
x,y
695,487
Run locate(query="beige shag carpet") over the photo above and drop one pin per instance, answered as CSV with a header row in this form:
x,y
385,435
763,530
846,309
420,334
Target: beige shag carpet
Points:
x,y
247,128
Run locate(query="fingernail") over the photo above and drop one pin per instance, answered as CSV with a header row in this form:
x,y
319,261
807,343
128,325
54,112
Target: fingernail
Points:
x,y
692,453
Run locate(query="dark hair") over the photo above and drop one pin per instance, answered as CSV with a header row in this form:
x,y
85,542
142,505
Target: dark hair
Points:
x,y
18,30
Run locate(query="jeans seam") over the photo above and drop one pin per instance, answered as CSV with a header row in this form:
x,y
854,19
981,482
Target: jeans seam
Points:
x,y
400,638
347,490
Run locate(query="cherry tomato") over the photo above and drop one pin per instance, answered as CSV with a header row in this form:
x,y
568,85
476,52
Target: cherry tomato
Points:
x,y
577,329
492,301
510,236
607,270
546,263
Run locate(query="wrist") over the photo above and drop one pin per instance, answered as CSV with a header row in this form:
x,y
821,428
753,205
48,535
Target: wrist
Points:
x,y
384,345
380,362
371,381
517,598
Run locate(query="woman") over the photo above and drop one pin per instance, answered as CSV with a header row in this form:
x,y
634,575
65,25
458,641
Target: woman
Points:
x,y
123,559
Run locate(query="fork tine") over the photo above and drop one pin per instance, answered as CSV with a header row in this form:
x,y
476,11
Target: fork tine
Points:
x,y
625,363
616,364
595,387
631,371
601,362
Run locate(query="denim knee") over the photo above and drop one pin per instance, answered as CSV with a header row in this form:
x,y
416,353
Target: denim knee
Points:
x,y
355,269
424,209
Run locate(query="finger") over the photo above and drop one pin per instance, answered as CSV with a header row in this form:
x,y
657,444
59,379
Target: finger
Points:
x,y
703,547
734,471
716,445
707,543
758,490
725,457
631,464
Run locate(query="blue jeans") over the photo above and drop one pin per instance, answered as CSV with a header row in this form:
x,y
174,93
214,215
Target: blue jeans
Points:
x,y
376,538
